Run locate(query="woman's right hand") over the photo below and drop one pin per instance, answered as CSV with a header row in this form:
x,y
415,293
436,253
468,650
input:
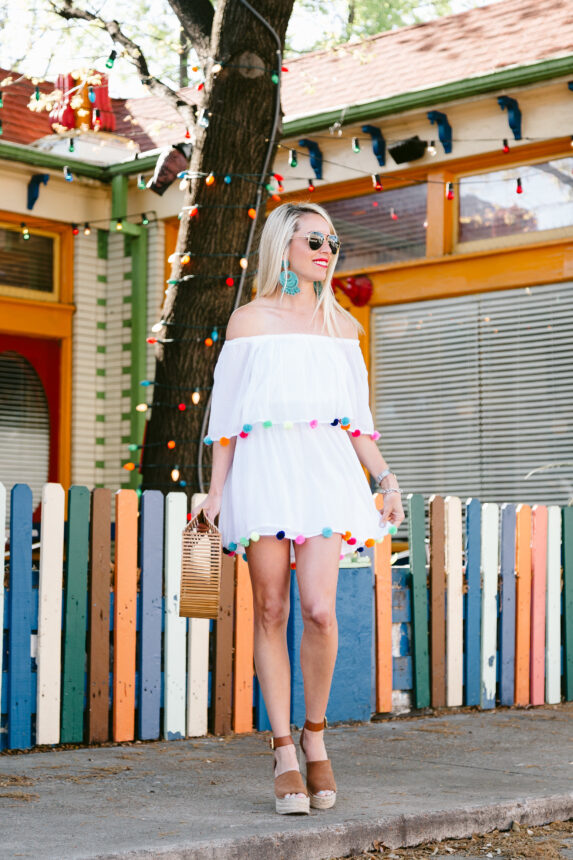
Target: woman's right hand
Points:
x,y
211,505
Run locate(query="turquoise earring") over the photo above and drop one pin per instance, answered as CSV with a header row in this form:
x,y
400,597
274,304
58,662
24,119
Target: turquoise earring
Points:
x,y
288,280
317,288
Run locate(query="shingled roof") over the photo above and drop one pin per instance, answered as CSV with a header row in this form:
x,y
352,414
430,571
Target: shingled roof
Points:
x,y
477,42
19,123
506,34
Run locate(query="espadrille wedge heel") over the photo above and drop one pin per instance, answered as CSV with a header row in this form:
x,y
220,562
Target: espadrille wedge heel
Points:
x,y
319,775
289,786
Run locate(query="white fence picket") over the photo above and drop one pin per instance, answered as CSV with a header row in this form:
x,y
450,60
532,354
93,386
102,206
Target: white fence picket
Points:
x,y
489,560
197,665
454,616
50,615
175,627
553,608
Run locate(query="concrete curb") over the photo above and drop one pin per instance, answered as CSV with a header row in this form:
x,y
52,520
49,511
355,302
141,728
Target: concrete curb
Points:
x,y
341,840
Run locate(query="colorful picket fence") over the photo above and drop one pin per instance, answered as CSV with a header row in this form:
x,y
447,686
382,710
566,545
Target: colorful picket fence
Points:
x,y
95,650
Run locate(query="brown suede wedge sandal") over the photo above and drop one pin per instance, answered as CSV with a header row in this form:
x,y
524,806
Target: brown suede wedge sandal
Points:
x,y
319,776
289,782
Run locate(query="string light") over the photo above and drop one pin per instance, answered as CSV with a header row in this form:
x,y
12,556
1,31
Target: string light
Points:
x,y
196,396
175,474
519,187
119,224
431,149
91,95
450,191
355,144
141,407
1,127
505,145
129,467
71,147
252,213
311,186
144,220
393,214
111,60
292,158
87,229
1,100
75,229
244,263
68,175
97,119
25,231
210,179
140,182
377,182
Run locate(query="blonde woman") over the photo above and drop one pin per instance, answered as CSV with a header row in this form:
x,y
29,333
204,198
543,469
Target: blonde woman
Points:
x,y
291,426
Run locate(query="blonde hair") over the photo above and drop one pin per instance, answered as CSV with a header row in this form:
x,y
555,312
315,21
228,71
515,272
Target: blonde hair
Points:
x,y
278,231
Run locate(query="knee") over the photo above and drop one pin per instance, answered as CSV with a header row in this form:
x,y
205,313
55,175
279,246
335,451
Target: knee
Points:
x,y
271,614
319,618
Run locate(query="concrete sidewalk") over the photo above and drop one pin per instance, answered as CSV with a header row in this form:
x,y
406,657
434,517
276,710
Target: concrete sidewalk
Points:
x,y
401,782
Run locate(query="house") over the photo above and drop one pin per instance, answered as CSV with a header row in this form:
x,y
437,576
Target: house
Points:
x,y
443,154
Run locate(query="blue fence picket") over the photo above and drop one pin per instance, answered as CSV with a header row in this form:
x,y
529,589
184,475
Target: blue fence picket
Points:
x,y
20,689
151,615
473,606
507,632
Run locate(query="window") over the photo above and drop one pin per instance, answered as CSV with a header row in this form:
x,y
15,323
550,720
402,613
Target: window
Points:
x,y
24,426
473,393
27,265
490,209
386,227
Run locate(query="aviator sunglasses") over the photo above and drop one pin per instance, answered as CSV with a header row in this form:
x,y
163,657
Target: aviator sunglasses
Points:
x,y
316,240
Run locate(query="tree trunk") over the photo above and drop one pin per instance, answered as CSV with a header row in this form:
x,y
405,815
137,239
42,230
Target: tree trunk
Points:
x,y
240,105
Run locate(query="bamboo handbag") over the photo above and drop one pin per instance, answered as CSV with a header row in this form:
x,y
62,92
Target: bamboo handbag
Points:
x,y
200,569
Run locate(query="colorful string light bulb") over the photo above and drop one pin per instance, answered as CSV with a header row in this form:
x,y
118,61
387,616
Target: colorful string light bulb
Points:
x,y
91,95
519,187
292,159
144,220
377,182
450,191
140,182
68,175
505,145
87,229
75,229
175,474
25,231
171,444
119,225
186,258
355,144
431,149
244,263
71,145
111,59
311,186
196,396
141,407
252,213
210,179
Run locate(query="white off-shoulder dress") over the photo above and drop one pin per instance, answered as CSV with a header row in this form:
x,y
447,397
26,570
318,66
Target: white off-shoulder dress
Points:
x,y
292,400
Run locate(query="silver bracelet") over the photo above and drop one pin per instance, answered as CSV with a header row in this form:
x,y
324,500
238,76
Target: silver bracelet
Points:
x,y
383,475
390,490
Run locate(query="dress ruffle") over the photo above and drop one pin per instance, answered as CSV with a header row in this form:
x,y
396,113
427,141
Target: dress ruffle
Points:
x,y
281,380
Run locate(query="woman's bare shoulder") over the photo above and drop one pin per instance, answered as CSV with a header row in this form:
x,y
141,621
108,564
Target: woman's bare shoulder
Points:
x,y
247,320
347,327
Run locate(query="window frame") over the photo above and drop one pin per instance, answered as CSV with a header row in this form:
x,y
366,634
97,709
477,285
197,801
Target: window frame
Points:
x,y
511,240
24,292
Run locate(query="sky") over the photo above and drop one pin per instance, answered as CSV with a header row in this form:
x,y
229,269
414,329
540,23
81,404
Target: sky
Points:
x,y
53,51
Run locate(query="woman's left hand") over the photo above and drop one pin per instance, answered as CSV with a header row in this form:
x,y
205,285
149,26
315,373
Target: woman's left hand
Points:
x,y
392,512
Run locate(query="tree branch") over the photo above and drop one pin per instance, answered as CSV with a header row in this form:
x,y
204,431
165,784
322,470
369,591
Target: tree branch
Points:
x,y
196,18
65,9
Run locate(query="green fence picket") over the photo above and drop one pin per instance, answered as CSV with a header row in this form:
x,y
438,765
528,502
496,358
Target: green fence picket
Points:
x,y
75,614
416,527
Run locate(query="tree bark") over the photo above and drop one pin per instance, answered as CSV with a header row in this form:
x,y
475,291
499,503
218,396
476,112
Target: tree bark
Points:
x,y
240,106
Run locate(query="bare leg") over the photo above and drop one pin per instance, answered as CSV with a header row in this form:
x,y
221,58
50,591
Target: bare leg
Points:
x,y
269,566
317,573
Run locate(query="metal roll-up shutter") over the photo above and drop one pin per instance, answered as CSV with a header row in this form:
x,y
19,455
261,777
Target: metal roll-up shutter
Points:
x,y
24,426
472,393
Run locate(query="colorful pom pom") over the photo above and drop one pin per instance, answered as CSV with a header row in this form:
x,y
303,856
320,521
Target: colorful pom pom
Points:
x,y
280,535
299,539
370,542
360,549
375,436
314,423
267,423
341,556
327,532
244,556
244,541
392,530
207,440
223,441
345,421
356,433
232,546
247,428
344,426
346,535
293,565
334,423
243,435
351,541
255,536
232,553
288,425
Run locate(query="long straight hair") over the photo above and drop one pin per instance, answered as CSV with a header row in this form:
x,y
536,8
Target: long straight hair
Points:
x,y
277,233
